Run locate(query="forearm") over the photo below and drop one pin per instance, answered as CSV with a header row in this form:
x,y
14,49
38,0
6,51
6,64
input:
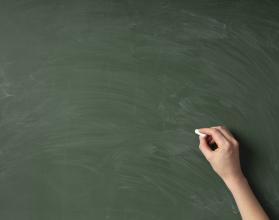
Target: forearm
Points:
x,y
248,205
225,162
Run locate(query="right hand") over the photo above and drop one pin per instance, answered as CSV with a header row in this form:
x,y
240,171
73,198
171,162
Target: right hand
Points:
x,y
225,159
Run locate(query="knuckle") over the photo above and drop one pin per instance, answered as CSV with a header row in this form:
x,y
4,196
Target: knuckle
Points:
x,y
235,143
221,127
214,130
227,145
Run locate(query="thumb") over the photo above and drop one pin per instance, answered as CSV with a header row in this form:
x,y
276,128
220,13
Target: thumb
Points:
x,y
204,148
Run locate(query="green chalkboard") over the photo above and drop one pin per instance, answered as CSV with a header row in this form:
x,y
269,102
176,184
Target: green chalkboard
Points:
x,y
99,100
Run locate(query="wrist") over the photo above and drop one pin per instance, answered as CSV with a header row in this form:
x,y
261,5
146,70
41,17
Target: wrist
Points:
x,y
235,182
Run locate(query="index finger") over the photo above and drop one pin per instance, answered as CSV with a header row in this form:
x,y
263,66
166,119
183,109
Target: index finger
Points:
x,y
216,135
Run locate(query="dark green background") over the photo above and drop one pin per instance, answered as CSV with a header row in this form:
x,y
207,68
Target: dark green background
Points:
x,y
99,100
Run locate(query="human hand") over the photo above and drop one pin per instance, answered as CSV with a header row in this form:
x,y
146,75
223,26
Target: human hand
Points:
x,y
225,158
225,162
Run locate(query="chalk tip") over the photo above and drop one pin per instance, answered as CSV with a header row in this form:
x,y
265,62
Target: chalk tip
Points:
x,y
199,133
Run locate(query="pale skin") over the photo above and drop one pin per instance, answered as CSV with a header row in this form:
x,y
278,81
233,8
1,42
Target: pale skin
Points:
x,y
226,163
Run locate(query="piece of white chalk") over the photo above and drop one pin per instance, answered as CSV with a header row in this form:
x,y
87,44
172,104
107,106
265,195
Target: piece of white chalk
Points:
x,y
199,133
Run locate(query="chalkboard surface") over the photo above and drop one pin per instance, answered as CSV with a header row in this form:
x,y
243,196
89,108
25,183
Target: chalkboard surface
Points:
x,y
99,100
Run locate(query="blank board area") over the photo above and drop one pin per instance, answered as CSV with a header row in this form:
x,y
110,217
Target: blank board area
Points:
x,y
99,100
